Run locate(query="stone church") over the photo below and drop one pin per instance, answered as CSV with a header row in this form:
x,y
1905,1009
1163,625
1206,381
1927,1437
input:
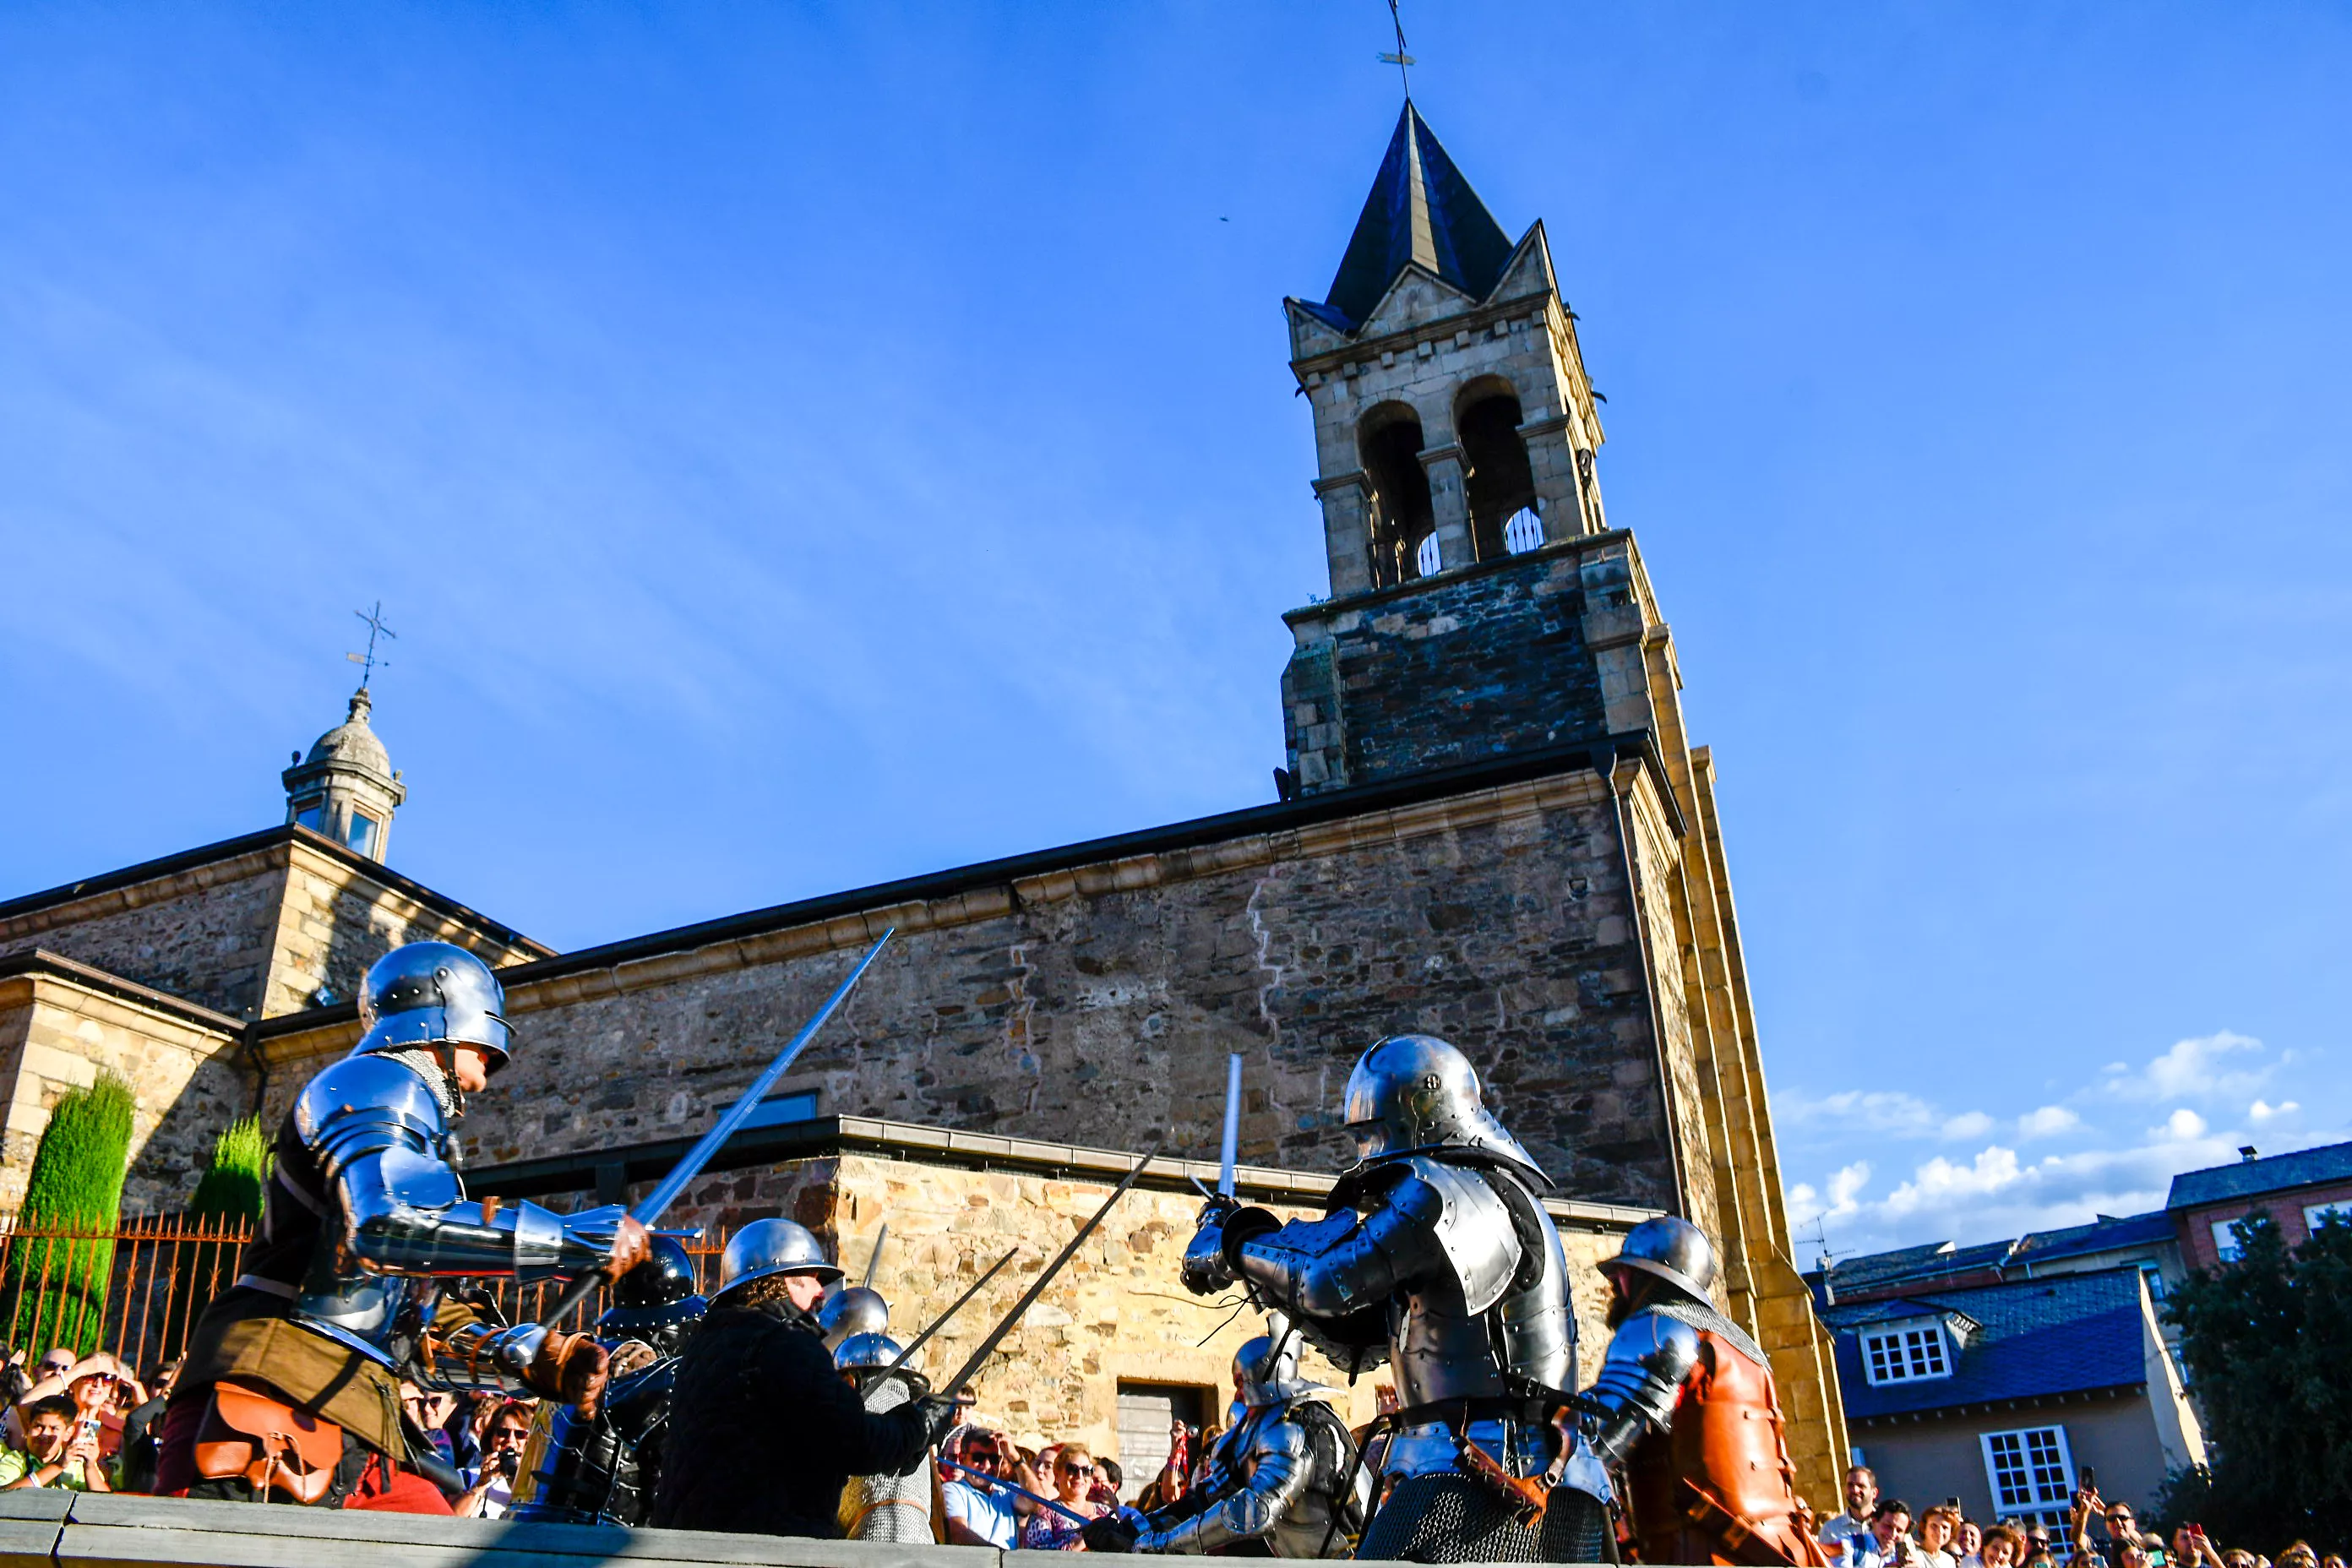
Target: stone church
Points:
x,y
1491,825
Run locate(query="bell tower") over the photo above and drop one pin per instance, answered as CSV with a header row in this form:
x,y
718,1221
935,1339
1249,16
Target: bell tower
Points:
x,y
1454,438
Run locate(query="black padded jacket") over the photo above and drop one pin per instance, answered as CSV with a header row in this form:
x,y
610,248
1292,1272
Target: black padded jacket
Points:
x,y
763,1433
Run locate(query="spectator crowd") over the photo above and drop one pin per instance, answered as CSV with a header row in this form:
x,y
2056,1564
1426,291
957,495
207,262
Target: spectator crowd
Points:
x,y
1877,1531
89,1424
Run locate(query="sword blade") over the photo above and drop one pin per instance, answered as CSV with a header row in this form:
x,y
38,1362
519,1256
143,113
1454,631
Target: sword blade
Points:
x,y
874,1259
1230,1151
954,1307
1017,1489
1029,1296
650,1207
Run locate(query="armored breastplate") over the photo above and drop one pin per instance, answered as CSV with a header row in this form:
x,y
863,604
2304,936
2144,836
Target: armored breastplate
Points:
x,y
363,1102
1504,1289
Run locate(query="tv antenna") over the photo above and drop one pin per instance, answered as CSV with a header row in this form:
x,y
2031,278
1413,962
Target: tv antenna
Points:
x,y
368,662
1400,59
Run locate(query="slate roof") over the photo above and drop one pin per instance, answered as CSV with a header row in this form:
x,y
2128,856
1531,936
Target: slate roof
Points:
x,y
2066,1334
1421,210
1907,1265
2099,1235
2250,1178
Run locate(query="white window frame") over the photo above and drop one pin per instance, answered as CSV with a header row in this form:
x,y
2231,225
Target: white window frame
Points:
x,y
2316,1215
1907,1351
2226,1244
2049,1509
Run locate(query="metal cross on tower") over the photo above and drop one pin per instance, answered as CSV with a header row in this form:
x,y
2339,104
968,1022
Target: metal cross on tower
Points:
x,y
368,662
1399,59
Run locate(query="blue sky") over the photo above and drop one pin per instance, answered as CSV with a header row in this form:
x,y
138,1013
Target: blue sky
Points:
x,y
804,446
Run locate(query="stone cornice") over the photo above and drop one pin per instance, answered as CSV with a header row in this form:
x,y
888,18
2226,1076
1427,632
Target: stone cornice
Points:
x,y
27,969
231,860
832,1136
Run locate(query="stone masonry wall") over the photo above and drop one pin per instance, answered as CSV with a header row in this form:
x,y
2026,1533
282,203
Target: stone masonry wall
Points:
x,y
334,920
206,934
1098,1006
55,1036
1446,670
1117,1312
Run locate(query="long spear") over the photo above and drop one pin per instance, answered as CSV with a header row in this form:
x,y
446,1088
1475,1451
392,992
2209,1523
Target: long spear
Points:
x,y
1029,1297
954,1308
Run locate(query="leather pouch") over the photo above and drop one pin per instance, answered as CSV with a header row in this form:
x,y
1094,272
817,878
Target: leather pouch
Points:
x,y
267,1443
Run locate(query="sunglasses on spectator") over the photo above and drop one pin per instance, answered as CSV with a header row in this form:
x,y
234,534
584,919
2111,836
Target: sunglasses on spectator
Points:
x,y
1070,1470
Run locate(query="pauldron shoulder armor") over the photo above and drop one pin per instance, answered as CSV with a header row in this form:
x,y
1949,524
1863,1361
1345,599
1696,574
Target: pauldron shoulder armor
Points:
x,y
1641,1380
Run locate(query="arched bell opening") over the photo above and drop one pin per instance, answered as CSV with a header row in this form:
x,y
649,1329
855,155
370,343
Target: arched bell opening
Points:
x,y
1401,515
1500,484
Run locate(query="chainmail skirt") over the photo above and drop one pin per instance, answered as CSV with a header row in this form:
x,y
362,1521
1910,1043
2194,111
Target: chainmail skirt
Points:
x,y
1453,1519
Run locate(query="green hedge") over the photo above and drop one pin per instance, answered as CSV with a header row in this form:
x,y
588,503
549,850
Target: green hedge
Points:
x,y
54,1292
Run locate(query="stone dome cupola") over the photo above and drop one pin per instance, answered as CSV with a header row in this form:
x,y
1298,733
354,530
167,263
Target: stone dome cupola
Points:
x,y
346,788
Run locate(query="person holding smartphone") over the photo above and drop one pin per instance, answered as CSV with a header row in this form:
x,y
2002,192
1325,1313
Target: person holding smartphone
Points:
x,y
60,1450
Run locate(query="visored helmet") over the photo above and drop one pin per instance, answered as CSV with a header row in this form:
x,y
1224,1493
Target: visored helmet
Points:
x,y
768,1247
1415,1093
666,1276
433,994
859,1310
1265,1369
1671,1249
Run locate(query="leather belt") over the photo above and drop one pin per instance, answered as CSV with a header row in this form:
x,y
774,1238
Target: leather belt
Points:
x,y
1458,1413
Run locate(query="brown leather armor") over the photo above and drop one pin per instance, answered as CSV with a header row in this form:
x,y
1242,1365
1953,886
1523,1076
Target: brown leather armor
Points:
x,y
1716,1486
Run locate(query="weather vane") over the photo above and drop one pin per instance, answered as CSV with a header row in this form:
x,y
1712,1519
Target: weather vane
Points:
x,y
1399,59
368,662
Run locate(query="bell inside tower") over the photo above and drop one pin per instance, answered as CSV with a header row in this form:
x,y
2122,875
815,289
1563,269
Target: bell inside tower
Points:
x,y
1400,513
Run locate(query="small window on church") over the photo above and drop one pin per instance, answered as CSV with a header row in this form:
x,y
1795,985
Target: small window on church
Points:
x,y
309,817
1523,532
362,837
1424,560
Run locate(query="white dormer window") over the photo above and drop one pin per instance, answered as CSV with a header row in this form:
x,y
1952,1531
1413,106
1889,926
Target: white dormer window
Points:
x,y
363,835
1906,1353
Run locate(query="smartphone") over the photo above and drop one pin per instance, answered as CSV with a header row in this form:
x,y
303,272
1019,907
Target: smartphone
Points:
x,y
1951,1502
2090,1478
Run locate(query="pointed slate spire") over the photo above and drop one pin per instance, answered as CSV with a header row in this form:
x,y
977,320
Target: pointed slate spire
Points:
x,y
1421,210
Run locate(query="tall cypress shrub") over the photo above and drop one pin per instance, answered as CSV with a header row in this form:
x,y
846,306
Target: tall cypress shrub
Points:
x,y
54,1289
228,1192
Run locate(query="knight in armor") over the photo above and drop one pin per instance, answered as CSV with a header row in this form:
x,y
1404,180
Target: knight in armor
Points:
x,y
1282,1481
1436,1253
1685,1403
763,1433
894,1508
601,1466
341,1291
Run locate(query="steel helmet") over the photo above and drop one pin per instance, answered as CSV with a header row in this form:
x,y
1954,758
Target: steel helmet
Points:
x,y
768,1247
859,1310
866,1352
664,1277
1265,1369
1414,1092
1671,1249
433,994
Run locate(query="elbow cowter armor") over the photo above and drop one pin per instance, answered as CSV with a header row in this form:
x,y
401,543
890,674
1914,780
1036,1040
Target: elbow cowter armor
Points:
x,y
1641,1380
382,1142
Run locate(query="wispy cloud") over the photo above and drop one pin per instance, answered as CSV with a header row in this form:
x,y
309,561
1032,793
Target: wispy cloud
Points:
x,y
2107,1159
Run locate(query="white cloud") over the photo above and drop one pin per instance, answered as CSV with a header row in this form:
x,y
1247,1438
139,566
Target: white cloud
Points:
x,y
1806,1203
1968,1124
1881,1112
2195,1068
2258,1113
2182,1126
2047,1122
